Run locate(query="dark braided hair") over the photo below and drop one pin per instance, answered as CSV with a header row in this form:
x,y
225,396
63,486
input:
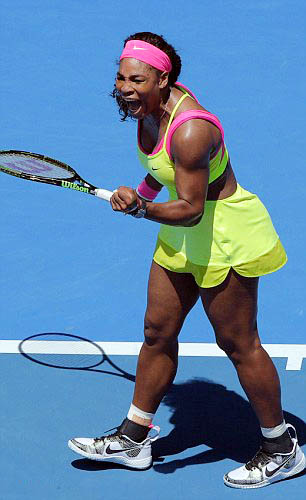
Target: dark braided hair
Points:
x,y
159,42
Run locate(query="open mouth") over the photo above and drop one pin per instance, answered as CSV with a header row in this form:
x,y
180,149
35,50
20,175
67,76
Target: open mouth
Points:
x,y
134,106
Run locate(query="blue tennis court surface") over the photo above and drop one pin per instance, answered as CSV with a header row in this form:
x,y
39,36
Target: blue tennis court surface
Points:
x,y
71,265
206,428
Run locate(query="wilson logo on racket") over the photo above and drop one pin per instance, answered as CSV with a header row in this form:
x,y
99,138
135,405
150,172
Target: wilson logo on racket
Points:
x,y
7,168
41,168
72,185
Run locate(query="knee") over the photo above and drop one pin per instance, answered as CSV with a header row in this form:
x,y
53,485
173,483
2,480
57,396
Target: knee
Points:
x,y
226,344
158,332
238,343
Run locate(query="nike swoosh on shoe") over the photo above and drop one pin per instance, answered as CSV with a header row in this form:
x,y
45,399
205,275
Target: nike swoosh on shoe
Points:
x,y
270,473
110,451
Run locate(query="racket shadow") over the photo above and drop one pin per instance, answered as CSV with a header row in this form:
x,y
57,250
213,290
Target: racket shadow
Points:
x,y
69,352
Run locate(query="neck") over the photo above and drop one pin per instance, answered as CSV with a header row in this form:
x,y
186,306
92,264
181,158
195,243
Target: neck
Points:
x,y
163,111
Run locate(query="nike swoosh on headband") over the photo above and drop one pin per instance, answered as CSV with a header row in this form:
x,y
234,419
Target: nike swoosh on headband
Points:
x,y
148,54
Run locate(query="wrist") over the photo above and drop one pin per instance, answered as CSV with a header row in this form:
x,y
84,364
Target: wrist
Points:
x,y
146,192
141,210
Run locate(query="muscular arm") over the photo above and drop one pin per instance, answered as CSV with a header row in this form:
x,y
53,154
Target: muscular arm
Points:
x,y
191,146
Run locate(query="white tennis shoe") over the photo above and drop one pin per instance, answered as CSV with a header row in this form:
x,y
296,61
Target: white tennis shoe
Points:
x,y
266,468
117,448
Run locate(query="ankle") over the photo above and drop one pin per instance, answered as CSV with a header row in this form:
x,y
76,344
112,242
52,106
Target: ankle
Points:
x,y
134,431
139,416
280,444
277,439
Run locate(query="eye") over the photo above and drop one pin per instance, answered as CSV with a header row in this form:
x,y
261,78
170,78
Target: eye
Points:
x,y
138,79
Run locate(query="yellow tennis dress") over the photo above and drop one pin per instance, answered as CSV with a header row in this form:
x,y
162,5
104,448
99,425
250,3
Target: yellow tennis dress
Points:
x,y
236,232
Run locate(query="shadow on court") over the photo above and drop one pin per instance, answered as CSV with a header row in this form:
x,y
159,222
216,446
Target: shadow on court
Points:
x,y
48,349
207,413
92,466
203,412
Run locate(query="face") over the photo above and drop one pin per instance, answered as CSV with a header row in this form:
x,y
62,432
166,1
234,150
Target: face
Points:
x,y
139,85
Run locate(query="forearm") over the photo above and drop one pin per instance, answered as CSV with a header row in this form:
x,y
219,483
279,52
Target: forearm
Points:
x,y
174,213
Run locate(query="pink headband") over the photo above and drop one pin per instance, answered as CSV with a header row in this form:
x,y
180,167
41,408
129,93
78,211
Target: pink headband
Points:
x,y
145,52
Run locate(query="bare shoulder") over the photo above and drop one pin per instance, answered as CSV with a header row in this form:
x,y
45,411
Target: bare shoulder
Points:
x,y
193,140
187,104
195,131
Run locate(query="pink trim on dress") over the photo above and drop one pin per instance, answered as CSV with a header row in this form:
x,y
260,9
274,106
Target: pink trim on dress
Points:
x,y
179,84
189,115
182,118
157,148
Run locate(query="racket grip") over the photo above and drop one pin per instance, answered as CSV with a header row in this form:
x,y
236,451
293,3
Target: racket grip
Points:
x,y
104,194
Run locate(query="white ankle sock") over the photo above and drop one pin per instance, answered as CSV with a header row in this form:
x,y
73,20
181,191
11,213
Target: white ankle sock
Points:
x,y
139,416
273,432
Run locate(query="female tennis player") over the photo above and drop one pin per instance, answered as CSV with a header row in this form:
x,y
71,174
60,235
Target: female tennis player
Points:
x,y
215,240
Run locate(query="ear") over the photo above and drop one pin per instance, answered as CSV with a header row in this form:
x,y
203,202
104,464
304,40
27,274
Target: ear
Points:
x,y
163,80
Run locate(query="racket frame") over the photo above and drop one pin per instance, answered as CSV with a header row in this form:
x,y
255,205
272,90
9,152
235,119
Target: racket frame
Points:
x,y
75,182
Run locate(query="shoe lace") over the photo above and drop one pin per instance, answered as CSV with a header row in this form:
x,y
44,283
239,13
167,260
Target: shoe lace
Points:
x,y
258,461
112,437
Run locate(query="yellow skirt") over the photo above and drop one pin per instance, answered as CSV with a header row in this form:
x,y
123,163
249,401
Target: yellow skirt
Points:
x,y
236,232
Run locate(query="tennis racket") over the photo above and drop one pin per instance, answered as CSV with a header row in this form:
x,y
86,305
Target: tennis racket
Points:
x,y
40,168
69,352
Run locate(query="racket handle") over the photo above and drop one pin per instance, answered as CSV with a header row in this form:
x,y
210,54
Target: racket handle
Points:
x,y
104,194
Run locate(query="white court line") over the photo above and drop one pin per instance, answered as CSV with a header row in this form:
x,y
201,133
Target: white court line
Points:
x,y
295,353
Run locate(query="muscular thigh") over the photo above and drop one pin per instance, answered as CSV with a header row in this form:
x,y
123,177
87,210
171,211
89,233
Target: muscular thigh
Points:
x,y
170,298
232,310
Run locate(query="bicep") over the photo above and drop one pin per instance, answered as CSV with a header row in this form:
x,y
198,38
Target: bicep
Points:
x,y
192,185
191,147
